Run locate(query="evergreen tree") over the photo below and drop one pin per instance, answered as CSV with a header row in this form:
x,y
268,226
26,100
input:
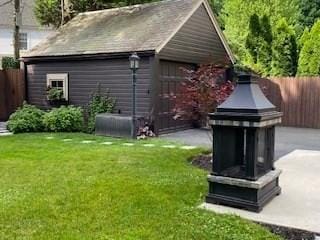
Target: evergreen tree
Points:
x,y
284,50
258,43
310,12
309,59
236,16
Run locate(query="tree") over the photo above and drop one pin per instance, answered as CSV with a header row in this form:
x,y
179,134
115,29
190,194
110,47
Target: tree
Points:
x,y
49,12
236,16
309,59
284,50
201,92
258,43
310,12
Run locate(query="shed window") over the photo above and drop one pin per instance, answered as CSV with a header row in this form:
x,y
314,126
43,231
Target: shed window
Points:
x,y
59,81
23,38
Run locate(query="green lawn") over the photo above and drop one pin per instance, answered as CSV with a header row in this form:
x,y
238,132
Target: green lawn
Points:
x,y
51,189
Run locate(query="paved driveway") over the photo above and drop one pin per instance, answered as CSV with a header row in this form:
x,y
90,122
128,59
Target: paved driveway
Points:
x,y
287,139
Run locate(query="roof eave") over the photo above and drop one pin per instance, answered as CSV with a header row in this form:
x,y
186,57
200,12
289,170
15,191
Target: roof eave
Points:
x,y
77,57
219,31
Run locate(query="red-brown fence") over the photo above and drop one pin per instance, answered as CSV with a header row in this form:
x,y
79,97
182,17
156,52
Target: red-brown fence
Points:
x,y
12,91
298,99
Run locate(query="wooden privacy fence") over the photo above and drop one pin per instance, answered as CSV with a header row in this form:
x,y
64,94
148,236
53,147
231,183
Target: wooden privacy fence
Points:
x,y
298,99
12,91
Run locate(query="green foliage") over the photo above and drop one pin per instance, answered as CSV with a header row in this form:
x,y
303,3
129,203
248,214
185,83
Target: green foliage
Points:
x,y
48,12
304,38
99,103
54,94
10,63
64,119
28,118
309,59
284,50
236,16
258,43
310,12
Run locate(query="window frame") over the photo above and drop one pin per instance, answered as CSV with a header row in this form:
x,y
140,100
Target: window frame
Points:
x,y
22,43
64,77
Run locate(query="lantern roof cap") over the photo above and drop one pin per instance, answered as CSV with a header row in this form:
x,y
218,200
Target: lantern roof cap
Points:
x,y
247,98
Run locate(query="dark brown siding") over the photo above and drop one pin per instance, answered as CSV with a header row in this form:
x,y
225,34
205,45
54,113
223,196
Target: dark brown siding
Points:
x,y
171,76
112,74
196,42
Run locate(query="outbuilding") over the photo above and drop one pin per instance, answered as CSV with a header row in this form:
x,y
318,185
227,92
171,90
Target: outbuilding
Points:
x,y
94,47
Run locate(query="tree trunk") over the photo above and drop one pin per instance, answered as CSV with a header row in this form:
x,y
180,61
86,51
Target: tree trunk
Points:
x,y
16,32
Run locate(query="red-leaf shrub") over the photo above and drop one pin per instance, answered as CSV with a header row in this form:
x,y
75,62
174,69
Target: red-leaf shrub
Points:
x,y
201,92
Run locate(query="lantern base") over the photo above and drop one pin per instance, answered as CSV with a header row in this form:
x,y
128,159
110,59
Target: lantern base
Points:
x,y
241,193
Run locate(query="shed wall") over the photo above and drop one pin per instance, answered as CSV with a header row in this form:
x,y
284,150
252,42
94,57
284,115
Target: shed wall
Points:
x,y
196,42
112,74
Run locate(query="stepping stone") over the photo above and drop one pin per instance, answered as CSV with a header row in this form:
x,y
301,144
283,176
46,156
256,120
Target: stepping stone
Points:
x,y
87,141
49,138
188,147
107,143
169,146
67,140
128,144
149,145
6,134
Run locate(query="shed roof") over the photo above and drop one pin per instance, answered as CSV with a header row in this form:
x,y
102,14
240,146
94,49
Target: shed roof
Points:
x,y
144,27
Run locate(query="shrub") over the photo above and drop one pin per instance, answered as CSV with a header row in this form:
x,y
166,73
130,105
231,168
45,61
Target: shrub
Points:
x,y
99,103
9,63
54,94
28,118
64,119
200,92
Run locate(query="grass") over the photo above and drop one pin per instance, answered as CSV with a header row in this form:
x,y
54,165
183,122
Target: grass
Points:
x,y
50,189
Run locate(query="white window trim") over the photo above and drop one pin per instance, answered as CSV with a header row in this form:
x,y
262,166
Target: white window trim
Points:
x,y
61,77
27,41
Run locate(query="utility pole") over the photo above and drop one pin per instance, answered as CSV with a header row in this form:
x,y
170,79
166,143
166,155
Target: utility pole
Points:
x,y
16,32
62,12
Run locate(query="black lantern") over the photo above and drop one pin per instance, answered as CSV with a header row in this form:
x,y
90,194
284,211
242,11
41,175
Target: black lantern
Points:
x,y
134,66
134,61
244,131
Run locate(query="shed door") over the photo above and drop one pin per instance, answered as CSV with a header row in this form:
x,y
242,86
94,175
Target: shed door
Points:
x,y
170,77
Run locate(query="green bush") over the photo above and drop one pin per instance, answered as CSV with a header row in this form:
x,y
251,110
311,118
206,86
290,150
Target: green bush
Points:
x,y
99,103
9,63
309,59
64,119
28,118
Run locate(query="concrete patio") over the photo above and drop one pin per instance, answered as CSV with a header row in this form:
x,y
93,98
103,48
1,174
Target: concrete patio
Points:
x,y
287,139
298,154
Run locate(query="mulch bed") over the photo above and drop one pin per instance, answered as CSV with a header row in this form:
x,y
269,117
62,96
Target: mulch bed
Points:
x,y
204,161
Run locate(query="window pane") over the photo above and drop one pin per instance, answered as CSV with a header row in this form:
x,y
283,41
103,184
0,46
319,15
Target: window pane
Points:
x,y
23,41
54,84
60,84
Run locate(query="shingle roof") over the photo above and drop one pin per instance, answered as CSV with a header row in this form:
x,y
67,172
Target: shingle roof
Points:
x,y
135,28
28,17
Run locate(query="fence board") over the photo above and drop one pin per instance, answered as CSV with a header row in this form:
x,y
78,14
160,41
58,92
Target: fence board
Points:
x,y
298,99
12,91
